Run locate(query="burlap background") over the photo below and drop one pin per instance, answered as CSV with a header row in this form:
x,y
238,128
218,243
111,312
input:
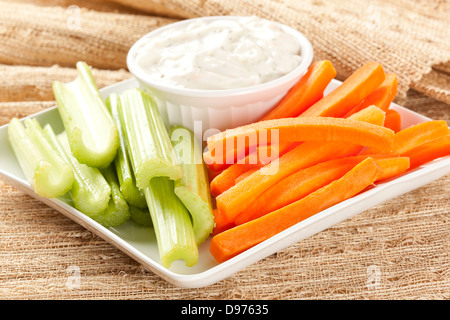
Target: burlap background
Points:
x,y
397,250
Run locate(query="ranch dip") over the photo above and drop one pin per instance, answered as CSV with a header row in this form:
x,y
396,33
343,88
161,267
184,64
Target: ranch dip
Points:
x,y
219,54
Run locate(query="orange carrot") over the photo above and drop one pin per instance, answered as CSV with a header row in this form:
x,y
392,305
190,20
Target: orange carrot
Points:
x,y
304,129
429,151
303,182
413,136
233,241
391,166
381,97
246,174
220,222
307,91
262,156
393,120
212,174
297,186
218,160
228,177
372,114
418,134
237,198
351,92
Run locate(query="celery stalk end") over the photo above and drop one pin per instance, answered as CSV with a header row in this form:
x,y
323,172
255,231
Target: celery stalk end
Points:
x,y
47,172
171,222
92,133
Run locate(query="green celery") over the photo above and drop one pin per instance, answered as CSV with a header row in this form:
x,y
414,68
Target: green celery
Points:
x,y
93,136
67,198
132,194
141,216
193,187
117,211
150,149
90,191
171,222
46,171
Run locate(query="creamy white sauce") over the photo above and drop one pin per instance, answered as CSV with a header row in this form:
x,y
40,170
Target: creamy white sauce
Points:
x,y
220,54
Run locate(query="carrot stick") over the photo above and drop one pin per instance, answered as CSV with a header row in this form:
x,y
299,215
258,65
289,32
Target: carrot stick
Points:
x,y
303,182
262,156
237,198
304,129
246,174
351,92
221,223
228,177
372,114
429,151
393,120
375,114
212,174
297,186
218,160
390,166
421,133
413,136
307,91
231,242
381,97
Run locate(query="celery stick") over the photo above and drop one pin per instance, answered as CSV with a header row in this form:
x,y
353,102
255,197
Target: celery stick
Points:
x,y
193,187
67,198
132,194
46,171
171,222
141,216
151,152
90,191
117,211
93,136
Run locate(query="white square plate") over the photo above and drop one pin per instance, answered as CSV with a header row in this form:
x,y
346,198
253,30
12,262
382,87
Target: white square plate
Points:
x,y
140,243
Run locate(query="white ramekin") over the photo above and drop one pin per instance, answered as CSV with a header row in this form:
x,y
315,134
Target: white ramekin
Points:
x,y
207,111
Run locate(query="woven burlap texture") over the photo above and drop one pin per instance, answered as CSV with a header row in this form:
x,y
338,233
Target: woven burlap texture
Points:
x,y
396,250
408,40
45,36
25,83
